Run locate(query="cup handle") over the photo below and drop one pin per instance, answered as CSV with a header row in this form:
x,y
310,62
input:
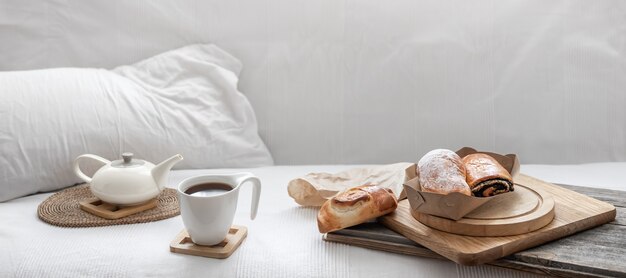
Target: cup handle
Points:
x,y
256,191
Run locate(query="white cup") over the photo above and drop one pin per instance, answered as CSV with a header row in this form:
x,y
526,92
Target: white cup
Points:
x,y
209,218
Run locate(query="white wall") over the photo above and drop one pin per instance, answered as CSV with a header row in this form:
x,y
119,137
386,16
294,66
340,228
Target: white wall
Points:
x,y
371,81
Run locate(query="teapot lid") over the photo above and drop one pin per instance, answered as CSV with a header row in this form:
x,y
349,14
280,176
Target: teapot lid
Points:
x,y
127,161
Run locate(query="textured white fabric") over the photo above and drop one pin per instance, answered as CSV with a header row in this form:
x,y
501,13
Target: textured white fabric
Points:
x,y
369,81
182,101
283,241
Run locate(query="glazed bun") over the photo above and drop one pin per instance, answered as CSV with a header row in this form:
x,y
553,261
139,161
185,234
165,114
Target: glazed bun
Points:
x,y
355,206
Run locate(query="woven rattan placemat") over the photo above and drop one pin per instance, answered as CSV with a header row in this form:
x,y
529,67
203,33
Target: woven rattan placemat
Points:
x,y
63,209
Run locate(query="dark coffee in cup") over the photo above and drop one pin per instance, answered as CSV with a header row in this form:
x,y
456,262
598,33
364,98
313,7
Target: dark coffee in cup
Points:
x,y
208,189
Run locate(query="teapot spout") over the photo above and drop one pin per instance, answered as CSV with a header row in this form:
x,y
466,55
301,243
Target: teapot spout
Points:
x,y
160,171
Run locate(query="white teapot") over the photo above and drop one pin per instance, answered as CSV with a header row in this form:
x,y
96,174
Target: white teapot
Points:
x,y
127,181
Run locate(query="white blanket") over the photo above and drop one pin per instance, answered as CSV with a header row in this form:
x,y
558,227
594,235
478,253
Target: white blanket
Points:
x,y
283,241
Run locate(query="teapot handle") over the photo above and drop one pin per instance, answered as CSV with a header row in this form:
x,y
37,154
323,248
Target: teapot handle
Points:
x,y
80,173
256,191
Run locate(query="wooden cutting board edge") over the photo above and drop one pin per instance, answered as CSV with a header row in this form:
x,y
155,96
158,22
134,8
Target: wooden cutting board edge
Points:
x,y
488,255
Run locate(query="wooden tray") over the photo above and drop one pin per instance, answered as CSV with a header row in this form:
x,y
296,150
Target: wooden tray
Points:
x,y
182,244
573,212
521,211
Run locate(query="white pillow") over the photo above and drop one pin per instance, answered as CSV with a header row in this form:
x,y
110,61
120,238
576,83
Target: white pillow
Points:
x,y
182,101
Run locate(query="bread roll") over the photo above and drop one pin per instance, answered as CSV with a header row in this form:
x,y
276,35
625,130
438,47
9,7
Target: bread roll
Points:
x,y
355,206
442,171
485,176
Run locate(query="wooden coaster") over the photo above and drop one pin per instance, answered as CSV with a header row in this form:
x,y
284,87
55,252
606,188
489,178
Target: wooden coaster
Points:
x,y
109,211
182,244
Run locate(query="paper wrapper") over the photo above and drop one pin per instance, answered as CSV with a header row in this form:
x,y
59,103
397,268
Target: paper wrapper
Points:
x,y
315,188
455,205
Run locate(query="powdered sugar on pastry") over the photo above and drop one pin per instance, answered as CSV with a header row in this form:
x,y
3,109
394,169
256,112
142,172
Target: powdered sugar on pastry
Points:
x,y
442,171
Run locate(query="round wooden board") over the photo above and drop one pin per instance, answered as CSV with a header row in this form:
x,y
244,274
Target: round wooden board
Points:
x,y
521,211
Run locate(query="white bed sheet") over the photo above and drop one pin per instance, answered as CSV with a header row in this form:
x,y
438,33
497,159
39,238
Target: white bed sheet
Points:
x,y
282,242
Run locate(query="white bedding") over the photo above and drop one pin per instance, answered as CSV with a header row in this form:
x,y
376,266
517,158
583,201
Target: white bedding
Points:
x,y
188,96
282,242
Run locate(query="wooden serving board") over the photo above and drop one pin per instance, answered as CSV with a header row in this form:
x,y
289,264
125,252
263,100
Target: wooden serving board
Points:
x,y
562,258
522,211
574,212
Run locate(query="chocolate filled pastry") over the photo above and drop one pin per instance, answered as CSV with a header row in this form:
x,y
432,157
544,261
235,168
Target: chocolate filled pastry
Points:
x,y
355,206
442,171
485,176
